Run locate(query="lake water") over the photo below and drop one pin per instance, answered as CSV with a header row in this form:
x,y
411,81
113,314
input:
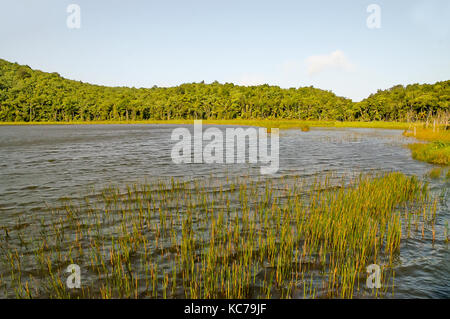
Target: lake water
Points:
x,y
41,164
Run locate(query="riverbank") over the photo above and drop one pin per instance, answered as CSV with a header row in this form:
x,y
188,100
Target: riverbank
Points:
x,y
275,123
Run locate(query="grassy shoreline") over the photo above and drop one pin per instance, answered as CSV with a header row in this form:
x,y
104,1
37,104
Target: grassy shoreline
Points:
x,y
282,123
436,151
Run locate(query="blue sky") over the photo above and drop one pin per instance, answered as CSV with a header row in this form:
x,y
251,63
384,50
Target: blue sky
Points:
x,y
140,43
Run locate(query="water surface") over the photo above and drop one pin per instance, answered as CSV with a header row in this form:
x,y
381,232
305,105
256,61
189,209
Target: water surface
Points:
x,y
41,164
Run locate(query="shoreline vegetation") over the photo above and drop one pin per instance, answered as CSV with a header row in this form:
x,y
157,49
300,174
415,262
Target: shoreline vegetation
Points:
x,y
269,123
435,150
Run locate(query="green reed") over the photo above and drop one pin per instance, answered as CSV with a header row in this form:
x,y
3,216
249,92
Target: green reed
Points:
x,y
212,238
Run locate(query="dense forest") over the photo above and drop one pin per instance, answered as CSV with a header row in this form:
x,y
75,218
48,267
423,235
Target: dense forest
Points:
x,y
32,95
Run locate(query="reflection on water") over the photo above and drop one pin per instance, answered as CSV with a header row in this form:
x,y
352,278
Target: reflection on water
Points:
x,y
41,164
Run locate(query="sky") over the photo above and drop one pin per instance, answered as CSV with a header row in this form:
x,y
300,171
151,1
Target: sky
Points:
x,y
339,46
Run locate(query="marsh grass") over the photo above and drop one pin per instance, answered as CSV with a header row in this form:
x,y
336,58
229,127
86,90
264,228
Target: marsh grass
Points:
x,y
437,151
240,238
440,133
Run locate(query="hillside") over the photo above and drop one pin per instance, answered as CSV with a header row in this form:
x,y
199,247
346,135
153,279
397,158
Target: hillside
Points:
x,y
407,103
32,95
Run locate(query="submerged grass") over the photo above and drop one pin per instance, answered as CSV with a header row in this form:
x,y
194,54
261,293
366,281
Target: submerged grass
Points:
x,y
241,238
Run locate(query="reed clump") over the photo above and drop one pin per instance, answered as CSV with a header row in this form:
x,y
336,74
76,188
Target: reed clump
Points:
x,y
210,238
435,172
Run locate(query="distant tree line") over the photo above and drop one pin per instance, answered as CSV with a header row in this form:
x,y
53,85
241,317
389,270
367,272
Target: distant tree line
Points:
x,y
32,95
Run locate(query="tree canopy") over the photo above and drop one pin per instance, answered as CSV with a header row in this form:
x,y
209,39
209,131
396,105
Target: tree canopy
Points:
x,y
32,95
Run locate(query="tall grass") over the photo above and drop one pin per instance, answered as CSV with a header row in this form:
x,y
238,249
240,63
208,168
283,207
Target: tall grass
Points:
x,y
265,238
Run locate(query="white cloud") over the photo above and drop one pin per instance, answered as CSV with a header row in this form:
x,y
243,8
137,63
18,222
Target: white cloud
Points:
x,y
334,60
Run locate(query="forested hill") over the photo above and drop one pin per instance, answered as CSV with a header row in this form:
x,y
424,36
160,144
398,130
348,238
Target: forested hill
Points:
x,y
32,95
408,103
